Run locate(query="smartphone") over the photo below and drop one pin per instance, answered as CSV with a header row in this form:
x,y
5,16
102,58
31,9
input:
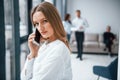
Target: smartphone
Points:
x,y
37,37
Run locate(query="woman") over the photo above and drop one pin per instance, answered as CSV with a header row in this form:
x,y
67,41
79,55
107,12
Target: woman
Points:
x,y
67,25
51,60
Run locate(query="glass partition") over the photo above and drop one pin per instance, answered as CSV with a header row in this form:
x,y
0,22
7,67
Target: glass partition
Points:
x,y
23,17
8,36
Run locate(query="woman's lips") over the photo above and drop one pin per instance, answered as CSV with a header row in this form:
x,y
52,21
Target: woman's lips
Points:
x,y
44,32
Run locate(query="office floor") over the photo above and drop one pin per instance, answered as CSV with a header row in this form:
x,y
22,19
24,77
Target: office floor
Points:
x,y
83,70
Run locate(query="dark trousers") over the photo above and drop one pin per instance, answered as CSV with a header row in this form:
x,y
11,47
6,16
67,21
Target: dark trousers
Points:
x,y
79,39
108,44
68,37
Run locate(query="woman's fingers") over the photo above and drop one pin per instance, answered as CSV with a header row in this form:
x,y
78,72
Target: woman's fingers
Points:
x,y
31,36
30,40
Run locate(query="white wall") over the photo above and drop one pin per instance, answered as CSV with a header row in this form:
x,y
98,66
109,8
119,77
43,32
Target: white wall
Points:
x,y
99,13
59,7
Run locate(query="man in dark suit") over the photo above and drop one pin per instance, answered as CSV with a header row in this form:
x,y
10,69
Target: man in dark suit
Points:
x,y
108,39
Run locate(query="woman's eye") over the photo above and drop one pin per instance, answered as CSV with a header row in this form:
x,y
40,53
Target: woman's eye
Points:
x,y
45,21
36,24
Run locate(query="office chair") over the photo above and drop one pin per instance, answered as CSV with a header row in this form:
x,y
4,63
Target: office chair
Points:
x,y
109,72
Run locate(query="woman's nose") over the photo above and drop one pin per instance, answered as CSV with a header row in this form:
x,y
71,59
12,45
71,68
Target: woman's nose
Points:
x,y
41,27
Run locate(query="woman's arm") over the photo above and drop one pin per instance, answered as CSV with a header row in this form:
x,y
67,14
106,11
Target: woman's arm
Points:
x,y
50,68
27,71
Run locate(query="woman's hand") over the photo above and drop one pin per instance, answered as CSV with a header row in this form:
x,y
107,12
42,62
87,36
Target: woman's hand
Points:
x,y
33,47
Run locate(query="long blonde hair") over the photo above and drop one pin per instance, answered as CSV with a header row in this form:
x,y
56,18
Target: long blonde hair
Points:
x,y
53,17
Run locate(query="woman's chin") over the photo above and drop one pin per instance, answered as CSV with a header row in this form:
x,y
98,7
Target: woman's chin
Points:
x,y
45,37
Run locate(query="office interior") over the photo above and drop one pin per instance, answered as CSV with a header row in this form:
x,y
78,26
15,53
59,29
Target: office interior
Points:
x,y
15,26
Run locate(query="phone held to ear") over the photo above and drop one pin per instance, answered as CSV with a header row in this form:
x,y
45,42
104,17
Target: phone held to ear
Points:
x,y
37,38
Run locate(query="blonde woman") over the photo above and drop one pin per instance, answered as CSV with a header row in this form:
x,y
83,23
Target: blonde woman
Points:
x,y
50,60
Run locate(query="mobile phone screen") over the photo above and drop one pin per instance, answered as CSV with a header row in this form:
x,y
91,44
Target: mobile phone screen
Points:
x,y
37,36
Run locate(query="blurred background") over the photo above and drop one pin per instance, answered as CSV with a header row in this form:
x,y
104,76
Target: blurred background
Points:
x,y
15,26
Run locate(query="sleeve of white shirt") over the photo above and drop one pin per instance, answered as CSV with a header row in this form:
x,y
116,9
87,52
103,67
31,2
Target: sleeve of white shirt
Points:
x,y
85,23
49,69
26,73
64,24
74,23
74,27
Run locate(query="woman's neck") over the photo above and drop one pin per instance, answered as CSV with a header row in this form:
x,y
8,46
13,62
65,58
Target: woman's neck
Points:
x,y
51,39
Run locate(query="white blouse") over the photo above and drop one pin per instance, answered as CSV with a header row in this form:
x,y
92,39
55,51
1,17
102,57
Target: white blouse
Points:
x,y
52,63
67,27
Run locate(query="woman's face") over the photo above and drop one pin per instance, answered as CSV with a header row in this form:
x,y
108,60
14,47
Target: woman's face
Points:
x,y
43,25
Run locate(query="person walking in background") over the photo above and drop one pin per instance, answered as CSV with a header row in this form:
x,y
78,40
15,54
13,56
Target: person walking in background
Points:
x,y
50,60
108,38
80,24
67,25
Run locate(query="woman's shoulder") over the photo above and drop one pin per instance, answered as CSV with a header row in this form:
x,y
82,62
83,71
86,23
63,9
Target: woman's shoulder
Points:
x,y
58,49
60,45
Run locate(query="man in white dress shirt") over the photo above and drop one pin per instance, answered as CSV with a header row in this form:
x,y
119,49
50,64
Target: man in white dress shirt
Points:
x,y
80,25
